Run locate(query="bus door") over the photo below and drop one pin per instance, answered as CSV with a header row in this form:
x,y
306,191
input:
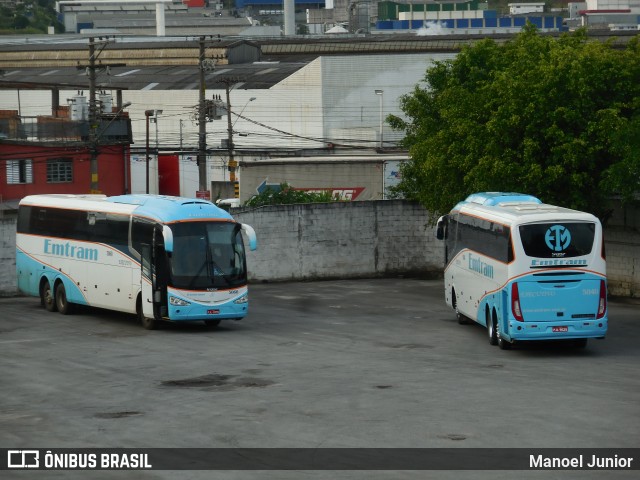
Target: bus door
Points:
x,y
155,275
147,280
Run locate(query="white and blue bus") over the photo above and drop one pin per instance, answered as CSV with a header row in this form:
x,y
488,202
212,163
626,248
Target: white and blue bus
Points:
x,y
524,269
159,257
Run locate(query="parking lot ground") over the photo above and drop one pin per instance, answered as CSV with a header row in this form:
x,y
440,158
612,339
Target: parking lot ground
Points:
x,y
351,363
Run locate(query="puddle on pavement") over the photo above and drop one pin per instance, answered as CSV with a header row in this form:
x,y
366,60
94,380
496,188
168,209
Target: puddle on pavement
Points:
x,y
217,381
117,414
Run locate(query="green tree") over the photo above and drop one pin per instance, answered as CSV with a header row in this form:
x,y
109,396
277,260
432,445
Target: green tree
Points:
x,y
29,16
286,194
558,118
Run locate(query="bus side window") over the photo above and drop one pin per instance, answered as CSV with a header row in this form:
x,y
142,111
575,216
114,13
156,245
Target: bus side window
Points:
x,y
146,259
141,232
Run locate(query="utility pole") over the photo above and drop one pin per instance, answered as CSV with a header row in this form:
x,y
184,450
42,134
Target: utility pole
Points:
x,y
232,163
202,124
93,117
93,108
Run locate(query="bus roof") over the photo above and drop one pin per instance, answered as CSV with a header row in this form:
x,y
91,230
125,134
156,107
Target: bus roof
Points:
x,y
509,208
162,208
169,209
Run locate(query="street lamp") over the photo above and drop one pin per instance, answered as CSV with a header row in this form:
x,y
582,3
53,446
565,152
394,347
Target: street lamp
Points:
x,y
241,111
380,93
147,114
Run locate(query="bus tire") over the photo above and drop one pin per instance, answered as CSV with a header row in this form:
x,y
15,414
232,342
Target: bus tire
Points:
x,y
491,328
62,304
462,320
46,296
212,323
580,342
503,344
147,323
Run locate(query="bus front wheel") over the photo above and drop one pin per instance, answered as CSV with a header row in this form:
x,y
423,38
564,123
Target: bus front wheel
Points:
x,y
462,320
147,323
46,296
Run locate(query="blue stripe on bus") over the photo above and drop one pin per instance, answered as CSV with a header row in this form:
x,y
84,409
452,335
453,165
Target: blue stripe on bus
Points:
x,y
31,286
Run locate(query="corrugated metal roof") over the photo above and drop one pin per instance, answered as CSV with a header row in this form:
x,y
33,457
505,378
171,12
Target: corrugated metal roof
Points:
x,y
253,76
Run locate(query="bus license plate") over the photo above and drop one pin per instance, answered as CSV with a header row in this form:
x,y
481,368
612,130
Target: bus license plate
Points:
x,y
559,329
213,312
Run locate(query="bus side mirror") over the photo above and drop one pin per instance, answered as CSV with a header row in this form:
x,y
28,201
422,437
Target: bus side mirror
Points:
x,y
251,236
167,234
441,227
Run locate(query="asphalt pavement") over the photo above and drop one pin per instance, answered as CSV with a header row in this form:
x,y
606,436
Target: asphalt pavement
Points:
x,y
336,364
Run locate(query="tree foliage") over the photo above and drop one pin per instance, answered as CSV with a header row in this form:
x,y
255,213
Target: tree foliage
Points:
x,y
558,118
286,194
29,17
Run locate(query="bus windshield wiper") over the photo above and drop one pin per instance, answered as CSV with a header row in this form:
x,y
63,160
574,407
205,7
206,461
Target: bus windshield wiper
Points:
x,y
217,272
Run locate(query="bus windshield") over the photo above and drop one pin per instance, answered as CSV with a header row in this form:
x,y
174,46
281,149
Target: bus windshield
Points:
x,y
207,255
557,240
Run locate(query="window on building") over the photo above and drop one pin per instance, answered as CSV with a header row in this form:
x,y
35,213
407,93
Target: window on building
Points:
x,y
59,170
19,171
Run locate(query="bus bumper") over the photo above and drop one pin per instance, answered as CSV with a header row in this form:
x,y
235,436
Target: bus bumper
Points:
x,y
195,312
565,330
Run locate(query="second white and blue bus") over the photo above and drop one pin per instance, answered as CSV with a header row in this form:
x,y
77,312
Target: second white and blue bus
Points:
x,y
524,269
159,257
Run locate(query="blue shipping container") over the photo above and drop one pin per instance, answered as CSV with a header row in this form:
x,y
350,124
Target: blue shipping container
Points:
x,y
384,25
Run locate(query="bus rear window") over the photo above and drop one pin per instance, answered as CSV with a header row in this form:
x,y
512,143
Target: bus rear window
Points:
x,y
557,240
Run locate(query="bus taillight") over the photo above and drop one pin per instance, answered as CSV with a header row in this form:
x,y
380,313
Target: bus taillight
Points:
x,y
515,302
602,304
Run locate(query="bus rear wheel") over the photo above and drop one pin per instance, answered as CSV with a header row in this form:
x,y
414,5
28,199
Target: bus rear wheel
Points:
x,y
580,342
46,296
502,343
62,304
491,328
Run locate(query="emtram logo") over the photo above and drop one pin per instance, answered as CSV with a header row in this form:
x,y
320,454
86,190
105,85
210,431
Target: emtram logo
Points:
x,y
557,238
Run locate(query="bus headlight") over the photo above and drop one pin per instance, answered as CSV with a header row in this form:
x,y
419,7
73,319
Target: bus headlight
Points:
x,y
243,299
178,302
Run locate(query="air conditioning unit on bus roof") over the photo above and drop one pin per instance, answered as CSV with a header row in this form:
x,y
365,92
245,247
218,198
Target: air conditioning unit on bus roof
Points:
x,y
502,198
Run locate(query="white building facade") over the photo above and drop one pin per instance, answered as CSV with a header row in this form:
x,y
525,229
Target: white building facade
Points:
x,y
329,104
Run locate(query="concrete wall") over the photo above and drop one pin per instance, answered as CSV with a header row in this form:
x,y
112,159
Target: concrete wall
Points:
x,y
8,285
342,240
363,239
622,242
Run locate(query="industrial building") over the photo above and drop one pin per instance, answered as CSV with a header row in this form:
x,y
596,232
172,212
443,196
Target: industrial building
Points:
x,y
265,17
287,97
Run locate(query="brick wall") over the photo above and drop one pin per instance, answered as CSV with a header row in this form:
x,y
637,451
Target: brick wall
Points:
x,y
363,239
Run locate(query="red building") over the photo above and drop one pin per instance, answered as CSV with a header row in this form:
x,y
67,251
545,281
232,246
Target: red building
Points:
x,y
59,154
